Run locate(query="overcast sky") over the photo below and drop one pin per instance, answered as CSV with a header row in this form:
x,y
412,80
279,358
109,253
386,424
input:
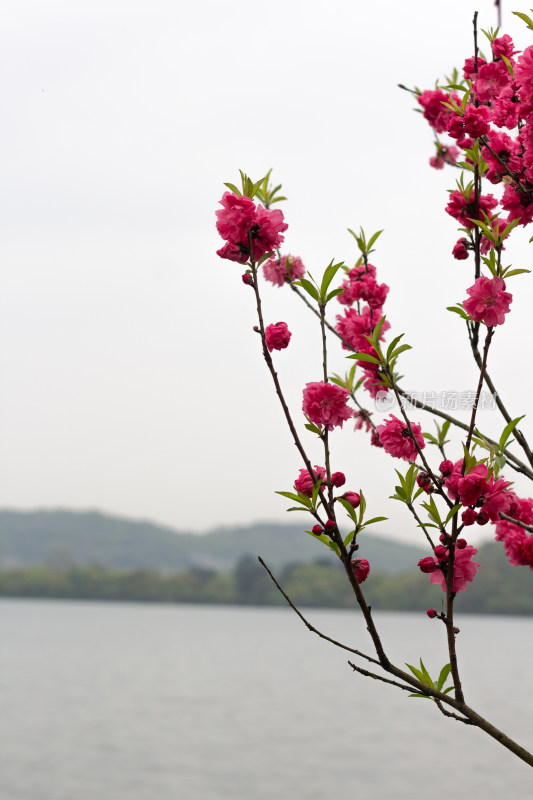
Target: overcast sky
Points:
x,y
131,379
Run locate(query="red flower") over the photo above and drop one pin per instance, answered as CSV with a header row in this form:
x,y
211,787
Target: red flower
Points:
x,y
488,301
325,404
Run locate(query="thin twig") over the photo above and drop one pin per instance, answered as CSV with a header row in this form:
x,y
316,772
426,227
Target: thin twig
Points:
x,y
312,627
368,674
523,525
450,714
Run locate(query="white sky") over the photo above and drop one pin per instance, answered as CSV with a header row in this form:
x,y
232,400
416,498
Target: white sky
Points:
x,y
131,379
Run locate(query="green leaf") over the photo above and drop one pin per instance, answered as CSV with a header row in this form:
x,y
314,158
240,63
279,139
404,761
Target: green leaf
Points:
x,y
509,428
297,498
525,18
322,538
448,690
362,506
373,239
265,257
416,672
298,508
349,538
451,513
377,331
333,546
425,696
512,272
328,276
458,310
316,491
433,511
445,671
365,357
375,519
427,679
400,494
390,348
333,294
500,461
314,428
349,508
308,287
401,349
233,189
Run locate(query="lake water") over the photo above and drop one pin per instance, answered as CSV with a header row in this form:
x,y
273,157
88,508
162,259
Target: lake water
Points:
x,y
103,701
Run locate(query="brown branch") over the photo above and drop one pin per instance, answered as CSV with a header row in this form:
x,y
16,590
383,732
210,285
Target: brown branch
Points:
x,y
368,674
312,627
523,525
520,438
451,714
520,466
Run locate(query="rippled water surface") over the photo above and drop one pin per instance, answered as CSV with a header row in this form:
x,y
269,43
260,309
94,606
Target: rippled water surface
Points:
x,y
148,702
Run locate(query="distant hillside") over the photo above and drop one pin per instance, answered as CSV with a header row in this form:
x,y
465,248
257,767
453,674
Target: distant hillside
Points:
x,y
60,538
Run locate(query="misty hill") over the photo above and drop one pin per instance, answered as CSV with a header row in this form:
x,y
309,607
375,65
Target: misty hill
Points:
x,y
62,537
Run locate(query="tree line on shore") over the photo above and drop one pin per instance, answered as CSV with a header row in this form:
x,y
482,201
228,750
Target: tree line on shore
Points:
x,y
499,588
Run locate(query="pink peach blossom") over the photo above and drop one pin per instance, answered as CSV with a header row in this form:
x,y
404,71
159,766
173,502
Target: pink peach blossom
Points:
x,y
283,270
304,482
277,336
361,569
488,301
325,404
396,440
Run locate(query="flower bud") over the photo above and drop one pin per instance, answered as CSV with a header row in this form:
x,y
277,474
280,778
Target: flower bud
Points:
x,y
247,279
361,568
446,468
423,479
431,613
330,526
482,519
338,479
469,516
352,498
461,544
427,564
441,552
317,529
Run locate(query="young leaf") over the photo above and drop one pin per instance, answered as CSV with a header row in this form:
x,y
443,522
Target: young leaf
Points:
x,y
509,428
445,671
233,189
349,508
308,287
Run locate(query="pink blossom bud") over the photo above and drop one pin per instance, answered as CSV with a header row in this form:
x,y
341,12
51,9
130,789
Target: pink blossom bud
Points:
x,y
427,564
247,279
431,613
374,439
352,498
361,568
444,538
446,468
461,544
460,251
330,526
441,552
482,519
277,336
338,479
317,529
469,516
423,480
